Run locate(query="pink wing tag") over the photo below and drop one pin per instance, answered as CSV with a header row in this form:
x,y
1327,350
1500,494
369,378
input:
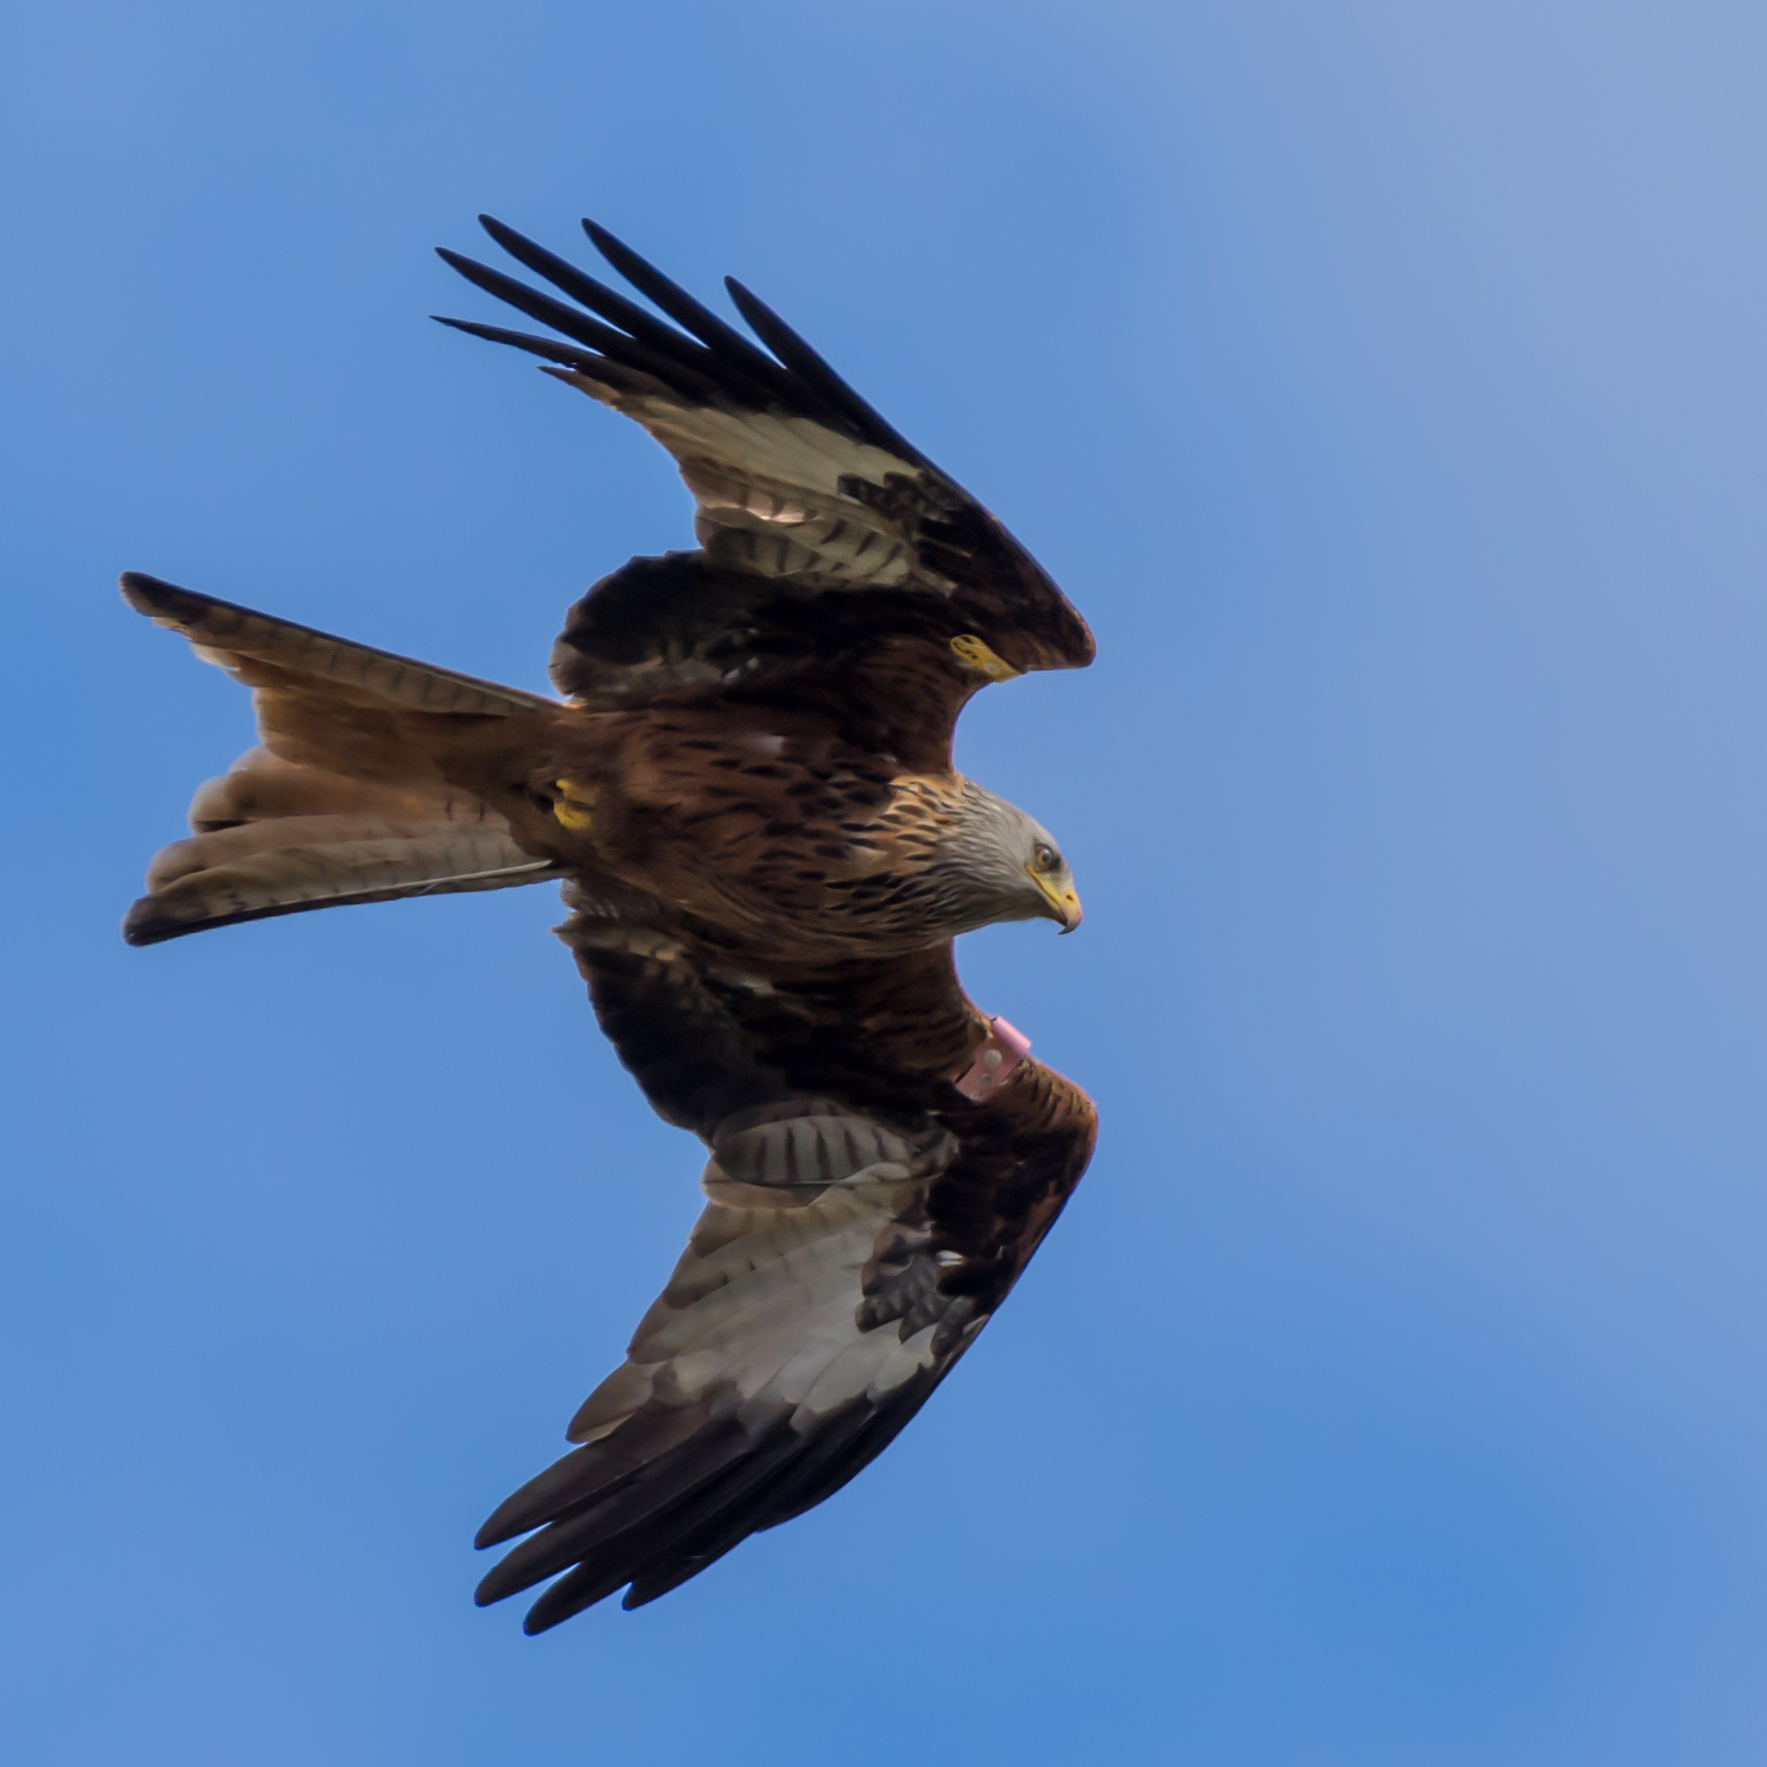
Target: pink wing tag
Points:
x,y
994,1062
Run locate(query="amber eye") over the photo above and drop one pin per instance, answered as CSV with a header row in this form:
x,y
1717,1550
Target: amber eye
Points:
x,y
1046,856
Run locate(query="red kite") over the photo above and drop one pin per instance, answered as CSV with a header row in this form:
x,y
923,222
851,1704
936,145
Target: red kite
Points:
x,y
748,793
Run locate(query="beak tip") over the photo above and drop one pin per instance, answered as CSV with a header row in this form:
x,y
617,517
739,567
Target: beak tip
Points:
x,y
1059,904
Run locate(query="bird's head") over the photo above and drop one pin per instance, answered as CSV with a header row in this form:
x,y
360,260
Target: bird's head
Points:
x,y
1007,866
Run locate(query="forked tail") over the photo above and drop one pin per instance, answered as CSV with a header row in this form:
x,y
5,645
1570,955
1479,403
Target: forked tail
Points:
x,y
345,798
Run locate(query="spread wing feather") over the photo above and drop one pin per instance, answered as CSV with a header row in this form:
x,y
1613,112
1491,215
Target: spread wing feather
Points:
x,y
863,1222
830,546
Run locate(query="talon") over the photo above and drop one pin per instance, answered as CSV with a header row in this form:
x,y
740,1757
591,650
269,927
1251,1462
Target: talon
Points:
x,y
574,807
974,654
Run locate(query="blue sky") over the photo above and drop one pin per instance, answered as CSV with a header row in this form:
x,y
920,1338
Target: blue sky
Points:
x,y
1386,384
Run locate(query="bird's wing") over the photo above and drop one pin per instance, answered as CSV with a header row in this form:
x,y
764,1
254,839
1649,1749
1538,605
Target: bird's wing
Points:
x,y
828,541
864,1219
342,800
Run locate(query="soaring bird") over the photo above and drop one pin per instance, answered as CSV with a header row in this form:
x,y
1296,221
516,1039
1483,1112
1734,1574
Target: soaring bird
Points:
x,y
747,791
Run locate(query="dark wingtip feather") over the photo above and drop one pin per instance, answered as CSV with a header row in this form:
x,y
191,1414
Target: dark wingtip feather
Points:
x,y
570,1595
550,348
603,241
516,244
566,1481
470,268
706,358
498,1526
649,332
810,367
654,1582
617,346
680,306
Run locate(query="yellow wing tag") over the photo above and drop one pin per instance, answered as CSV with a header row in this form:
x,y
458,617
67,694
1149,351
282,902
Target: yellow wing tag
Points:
x,y
974,654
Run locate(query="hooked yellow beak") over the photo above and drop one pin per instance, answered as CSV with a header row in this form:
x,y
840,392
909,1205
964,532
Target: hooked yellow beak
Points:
x,y
1064,904
974,654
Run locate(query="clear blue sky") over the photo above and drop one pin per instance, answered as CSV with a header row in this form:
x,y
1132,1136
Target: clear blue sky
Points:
x,y
1388,385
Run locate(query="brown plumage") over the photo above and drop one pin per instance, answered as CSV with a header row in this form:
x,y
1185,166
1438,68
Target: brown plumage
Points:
x,y
749,793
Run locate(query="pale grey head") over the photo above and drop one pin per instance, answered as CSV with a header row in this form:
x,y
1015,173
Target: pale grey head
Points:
x,y
996,863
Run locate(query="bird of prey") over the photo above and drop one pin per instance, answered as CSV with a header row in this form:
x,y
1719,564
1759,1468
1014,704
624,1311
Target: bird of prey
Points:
x,y
748,794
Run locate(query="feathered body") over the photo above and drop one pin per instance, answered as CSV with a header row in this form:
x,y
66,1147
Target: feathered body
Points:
x,y
748,793
762,823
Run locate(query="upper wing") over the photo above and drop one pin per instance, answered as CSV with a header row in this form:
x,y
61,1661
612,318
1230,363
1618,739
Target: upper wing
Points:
x,y
827,538
342,801
863,1221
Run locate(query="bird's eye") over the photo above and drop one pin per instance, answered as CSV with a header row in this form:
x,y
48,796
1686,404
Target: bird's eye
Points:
x,y
1047,857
